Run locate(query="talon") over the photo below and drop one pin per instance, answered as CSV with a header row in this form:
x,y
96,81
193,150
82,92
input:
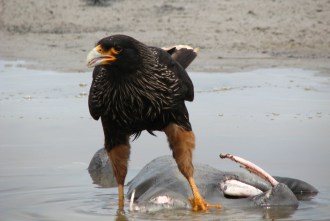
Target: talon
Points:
x,y
198,204
214,206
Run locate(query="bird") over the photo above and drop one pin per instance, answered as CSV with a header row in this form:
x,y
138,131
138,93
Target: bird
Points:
x,y
138,88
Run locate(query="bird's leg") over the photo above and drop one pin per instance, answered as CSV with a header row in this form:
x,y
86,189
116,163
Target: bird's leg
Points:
x,y
182,143
119,156
198,203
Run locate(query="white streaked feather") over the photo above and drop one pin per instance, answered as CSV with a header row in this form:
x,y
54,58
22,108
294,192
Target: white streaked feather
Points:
x,y
178,47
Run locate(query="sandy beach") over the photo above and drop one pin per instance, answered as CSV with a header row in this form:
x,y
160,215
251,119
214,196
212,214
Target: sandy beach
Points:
x,y
232,35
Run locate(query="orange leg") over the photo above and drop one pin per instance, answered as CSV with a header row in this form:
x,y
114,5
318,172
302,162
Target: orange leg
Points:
x,y
182,143
198,203
119,156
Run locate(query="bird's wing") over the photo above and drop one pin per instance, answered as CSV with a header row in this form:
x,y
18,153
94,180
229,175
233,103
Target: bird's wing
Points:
x,y
183,54
173,63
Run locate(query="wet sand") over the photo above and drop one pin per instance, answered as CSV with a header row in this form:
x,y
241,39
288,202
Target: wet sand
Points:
x,y
232,35
277,118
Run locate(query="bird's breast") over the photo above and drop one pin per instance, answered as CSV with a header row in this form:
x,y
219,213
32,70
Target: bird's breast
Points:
x,y
138,101
131,108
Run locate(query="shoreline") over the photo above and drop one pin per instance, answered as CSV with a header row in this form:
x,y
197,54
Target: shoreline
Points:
x,y
226,65
207,60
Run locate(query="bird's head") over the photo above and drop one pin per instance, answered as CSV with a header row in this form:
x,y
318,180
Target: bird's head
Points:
x,y
119,51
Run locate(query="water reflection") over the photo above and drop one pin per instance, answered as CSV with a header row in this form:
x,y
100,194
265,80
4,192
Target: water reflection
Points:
x,y
278,212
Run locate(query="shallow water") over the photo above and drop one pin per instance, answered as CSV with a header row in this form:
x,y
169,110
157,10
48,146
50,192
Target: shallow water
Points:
x,y
277,118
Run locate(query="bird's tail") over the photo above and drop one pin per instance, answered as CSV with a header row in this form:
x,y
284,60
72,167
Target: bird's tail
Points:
x,y
183,54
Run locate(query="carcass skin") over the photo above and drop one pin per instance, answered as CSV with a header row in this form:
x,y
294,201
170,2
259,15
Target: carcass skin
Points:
x,y
160,185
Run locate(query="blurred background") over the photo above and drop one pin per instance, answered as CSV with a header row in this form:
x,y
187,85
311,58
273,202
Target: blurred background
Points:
x,y
232,34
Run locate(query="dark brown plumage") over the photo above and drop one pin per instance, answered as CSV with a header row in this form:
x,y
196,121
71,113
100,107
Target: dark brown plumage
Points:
x,y
135,88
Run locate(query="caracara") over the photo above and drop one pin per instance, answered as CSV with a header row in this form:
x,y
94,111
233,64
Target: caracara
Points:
x,y
135,88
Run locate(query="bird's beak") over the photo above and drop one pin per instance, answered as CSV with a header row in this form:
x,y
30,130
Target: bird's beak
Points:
x,y
98,56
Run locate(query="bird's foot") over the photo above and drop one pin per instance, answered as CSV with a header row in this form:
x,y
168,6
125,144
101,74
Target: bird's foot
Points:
x,y
199,204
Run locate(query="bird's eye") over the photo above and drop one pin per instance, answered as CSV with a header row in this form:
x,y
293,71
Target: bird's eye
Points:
x,y
99,49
